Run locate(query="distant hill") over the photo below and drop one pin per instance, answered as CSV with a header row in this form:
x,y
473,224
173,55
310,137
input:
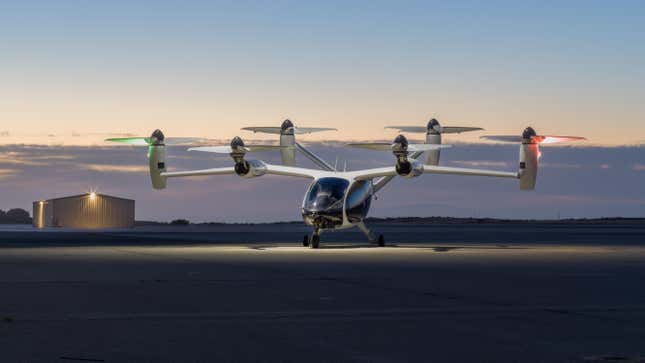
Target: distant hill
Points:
x,y
15,216
453,220
436,220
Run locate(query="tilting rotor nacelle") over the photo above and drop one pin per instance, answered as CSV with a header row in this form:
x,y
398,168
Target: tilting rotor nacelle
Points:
x,y
401,148
405,167
245,168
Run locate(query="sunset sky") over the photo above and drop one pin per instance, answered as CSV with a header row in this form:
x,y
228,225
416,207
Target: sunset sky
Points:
x,y
207,68
75,72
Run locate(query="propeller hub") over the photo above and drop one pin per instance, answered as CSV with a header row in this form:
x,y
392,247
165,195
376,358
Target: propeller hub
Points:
x,y
401,143
528,133
400,148
237,150
286,127
434,127
237,143
157,137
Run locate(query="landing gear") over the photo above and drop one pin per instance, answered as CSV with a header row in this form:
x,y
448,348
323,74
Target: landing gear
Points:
x,y
305,241
380,241
315,240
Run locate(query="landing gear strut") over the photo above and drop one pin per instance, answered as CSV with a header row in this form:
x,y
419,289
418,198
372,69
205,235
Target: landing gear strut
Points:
x,y
380,241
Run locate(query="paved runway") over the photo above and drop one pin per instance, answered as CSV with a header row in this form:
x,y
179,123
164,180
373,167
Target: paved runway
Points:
x,y
280,302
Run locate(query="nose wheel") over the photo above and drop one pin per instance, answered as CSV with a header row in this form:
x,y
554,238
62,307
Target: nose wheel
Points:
x,y
315,240
305,241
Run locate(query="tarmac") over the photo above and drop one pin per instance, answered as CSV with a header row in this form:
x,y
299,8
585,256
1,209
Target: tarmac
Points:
x,y
346,302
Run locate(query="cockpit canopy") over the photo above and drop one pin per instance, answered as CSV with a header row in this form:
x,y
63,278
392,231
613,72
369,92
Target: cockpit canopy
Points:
x,y
326,195
324,202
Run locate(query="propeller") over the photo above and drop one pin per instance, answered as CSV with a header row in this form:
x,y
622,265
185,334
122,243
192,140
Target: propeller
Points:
x,y
400,144
237,146
288,127
386,146
434,127
157,138
529,136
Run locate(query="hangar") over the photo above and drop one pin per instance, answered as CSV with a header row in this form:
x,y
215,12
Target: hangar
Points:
x,y
90,210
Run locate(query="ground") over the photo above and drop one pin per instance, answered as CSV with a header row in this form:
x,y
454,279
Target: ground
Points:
x,y
442,302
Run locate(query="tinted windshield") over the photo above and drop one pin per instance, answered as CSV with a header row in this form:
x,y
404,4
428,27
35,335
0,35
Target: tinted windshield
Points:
x,y
358,200
326,194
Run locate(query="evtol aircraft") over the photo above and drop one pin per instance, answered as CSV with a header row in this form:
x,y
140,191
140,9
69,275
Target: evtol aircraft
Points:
x,y
338,199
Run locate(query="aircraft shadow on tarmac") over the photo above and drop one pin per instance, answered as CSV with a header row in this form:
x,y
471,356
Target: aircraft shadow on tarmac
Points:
x,y
394,246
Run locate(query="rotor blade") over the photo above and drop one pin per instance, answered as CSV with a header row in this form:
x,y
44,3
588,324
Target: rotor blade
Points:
x,y
380,146
145,141
408,128
213,149
386,146
503,138
264,130
227,149
458,129
266,147
138,141
309,130
556,139
540,139
183,140
427,147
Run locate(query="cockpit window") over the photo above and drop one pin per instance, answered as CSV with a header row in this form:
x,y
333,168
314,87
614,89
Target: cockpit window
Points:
x,y
326,194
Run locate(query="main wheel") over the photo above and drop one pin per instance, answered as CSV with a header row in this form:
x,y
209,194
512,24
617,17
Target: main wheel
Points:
x,y
305,241
381,241
315,241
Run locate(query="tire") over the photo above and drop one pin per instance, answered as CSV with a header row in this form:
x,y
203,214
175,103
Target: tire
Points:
x,y
315,241
381,241
305,241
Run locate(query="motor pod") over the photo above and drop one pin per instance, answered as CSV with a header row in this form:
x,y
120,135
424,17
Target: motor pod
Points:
x,y
288,140
409,168
157,159
433,137
529,159
250,168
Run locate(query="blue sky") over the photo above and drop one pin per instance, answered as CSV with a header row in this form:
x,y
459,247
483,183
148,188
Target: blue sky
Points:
x,y
211,67
75,71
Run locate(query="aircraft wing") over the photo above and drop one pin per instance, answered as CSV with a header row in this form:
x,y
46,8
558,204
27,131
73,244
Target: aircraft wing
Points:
x,y
293,171
431,169
201,172
270,169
